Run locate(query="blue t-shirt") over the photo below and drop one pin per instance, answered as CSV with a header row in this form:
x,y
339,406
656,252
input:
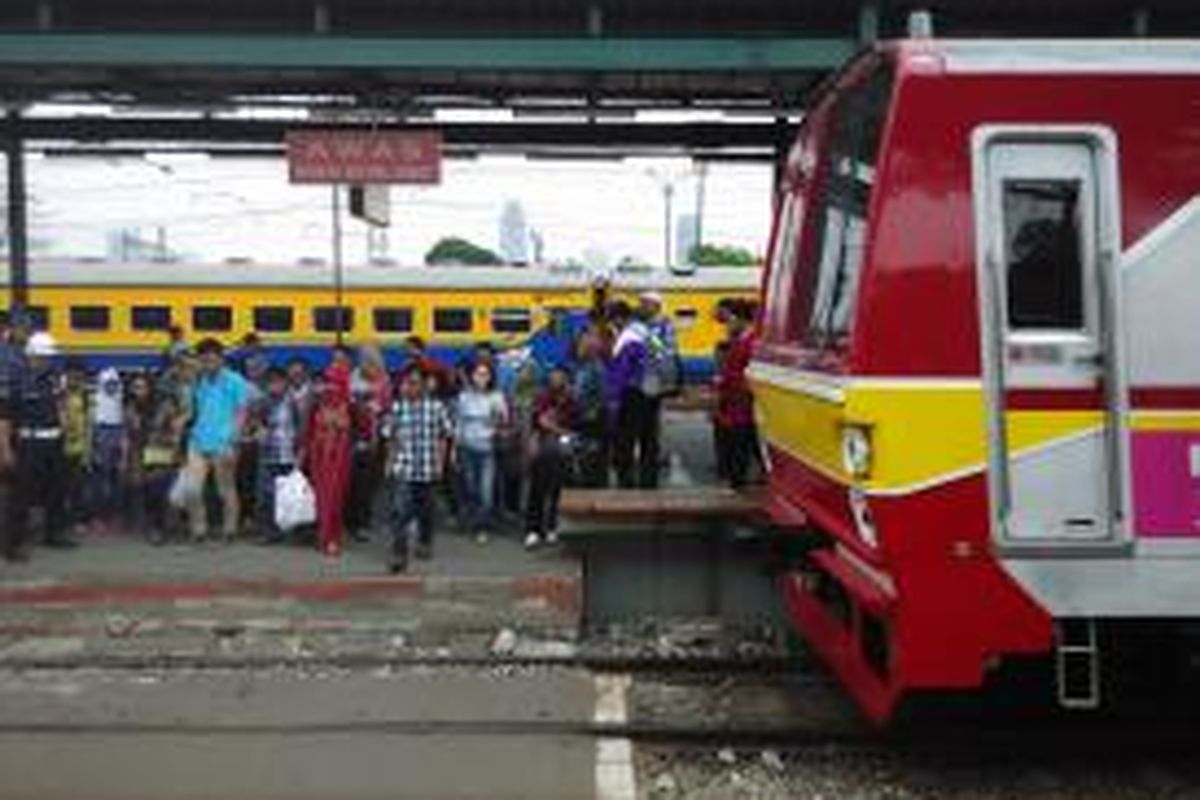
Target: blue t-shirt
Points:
x,y
217,402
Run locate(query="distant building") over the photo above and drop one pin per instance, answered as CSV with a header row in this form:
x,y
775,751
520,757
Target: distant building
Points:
x,y
514,233
128,244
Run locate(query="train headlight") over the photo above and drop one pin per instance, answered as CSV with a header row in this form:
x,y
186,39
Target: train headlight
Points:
x,y
864,520
856,451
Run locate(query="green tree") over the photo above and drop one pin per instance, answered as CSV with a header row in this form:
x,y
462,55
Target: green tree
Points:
x,y
453,250
715,255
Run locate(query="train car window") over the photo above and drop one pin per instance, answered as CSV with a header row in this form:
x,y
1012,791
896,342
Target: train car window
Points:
x,y
839,216
39,317
274,319
1043,235
452,320
90,318
511,320
330,319
393,320
150,318
212,319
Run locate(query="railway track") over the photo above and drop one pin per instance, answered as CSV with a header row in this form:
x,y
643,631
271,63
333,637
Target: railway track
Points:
x,y
713,664
814,718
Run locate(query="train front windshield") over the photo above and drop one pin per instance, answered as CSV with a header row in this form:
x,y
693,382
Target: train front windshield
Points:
x,y
831,262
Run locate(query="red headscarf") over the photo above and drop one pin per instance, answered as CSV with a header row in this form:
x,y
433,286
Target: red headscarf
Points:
x,y
337,383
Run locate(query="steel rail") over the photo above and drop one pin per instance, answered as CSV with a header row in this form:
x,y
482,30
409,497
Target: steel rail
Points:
x,y
595,663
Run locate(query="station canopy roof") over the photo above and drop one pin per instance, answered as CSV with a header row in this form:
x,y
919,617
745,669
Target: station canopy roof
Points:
x,y
229,63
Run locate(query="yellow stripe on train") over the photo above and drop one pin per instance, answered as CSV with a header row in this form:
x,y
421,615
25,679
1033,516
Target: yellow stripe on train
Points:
x,y
922,432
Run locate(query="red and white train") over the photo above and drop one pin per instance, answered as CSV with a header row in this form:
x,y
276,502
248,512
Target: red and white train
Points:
x,y
978,379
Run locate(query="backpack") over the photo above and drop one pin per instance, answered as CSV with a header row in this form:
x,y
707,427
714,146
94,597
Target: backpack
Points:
x,y
662,375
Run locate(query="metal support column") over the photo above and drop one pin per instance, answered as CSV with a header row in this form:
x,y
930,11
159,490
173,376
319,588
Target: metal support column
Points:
x,y
18,233
698,240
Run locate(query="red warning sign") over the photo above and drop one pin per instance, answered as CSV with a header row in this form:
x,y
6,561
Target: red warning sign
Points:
x,y
341,156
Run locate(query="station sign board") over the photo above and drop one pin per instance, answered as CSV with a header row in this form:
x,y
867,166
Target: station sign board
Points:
x,y
364,156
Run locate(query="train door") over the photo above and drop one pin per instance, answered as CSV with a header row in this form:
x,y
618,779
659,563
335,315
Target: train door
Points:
x,y
1048,234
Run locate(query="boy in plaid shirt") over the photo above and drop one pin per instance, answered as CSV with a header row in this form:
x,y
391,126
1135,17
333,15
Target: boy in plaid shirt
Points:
x,y
279,429
420,430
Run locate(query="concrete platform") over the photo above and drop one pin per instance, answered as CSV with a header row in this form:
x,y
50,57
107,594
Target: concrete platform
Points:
x,y
118,595
123,556
419,734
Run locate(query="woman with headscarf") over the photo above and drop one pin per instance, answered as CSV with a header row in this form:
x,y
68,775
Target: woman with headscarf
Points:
x,y
329,454
371,391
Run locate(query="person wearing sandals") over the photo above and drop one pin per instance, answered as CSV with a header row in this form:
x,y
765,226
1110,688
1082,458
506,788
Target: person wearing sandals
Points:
x,y
220,398
552,442
481,413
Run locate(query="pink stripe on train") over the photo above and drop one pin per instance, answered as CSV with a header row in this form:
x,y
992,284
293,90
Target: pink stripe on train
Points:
x,y
1166,483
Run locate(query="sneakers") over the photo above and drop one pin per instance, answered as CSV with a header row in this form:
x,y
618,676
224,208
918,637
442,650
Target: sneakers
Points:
x,y
552,537
532,540
481,537
397,565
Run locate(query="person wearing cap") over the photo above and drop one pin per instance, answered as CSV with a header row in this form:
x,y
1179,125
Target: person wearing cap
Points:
x,y
35,408
661,378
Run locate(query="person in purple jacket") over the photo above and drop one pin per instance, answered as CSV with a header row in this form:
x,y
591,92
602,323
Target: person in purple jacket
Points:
x,y
628,406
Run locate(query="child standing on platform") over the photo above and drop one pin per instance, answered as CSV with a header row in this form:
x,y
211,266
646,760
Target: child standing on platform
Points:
x,y
108,445
277,421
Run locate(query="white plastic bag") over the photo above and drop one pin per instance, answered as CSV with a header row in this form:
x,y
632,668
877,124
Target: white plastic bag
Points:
x,y
182,490
295,502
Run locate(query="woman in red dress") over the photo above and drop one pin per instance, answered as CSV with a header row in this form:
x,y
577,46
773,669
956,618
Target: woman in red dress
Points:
x,y
329,454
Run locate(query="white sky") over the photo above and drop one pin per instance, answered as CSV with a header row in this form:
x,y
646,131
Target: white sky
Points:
x,y
213,209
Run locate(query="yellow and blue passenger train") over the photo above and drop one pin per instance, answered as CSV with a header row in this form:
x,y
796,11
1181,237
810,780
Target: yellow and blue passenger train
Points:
x,y
117,313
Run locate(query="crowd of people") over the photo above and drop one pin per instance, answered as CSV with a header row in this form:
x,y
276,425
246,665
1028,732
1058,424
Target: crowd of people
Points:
x,y
196,447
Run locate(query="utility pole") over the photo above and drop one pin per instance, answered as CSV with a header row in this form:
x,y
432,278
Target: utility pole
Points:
x,y
668,195
338,277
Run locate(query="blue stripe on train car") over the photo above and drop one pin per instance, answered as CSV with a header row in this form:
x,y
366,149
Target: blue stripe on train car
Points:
x,y
695,369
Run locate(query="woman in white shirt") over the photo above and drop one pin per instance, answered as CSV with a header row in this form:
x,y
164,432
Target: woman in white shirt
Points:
x,y
481,412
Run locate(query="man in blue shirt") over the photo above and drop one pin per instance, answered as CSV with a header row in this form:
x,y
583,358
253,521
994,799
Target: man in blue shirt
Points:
x,y
218,412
